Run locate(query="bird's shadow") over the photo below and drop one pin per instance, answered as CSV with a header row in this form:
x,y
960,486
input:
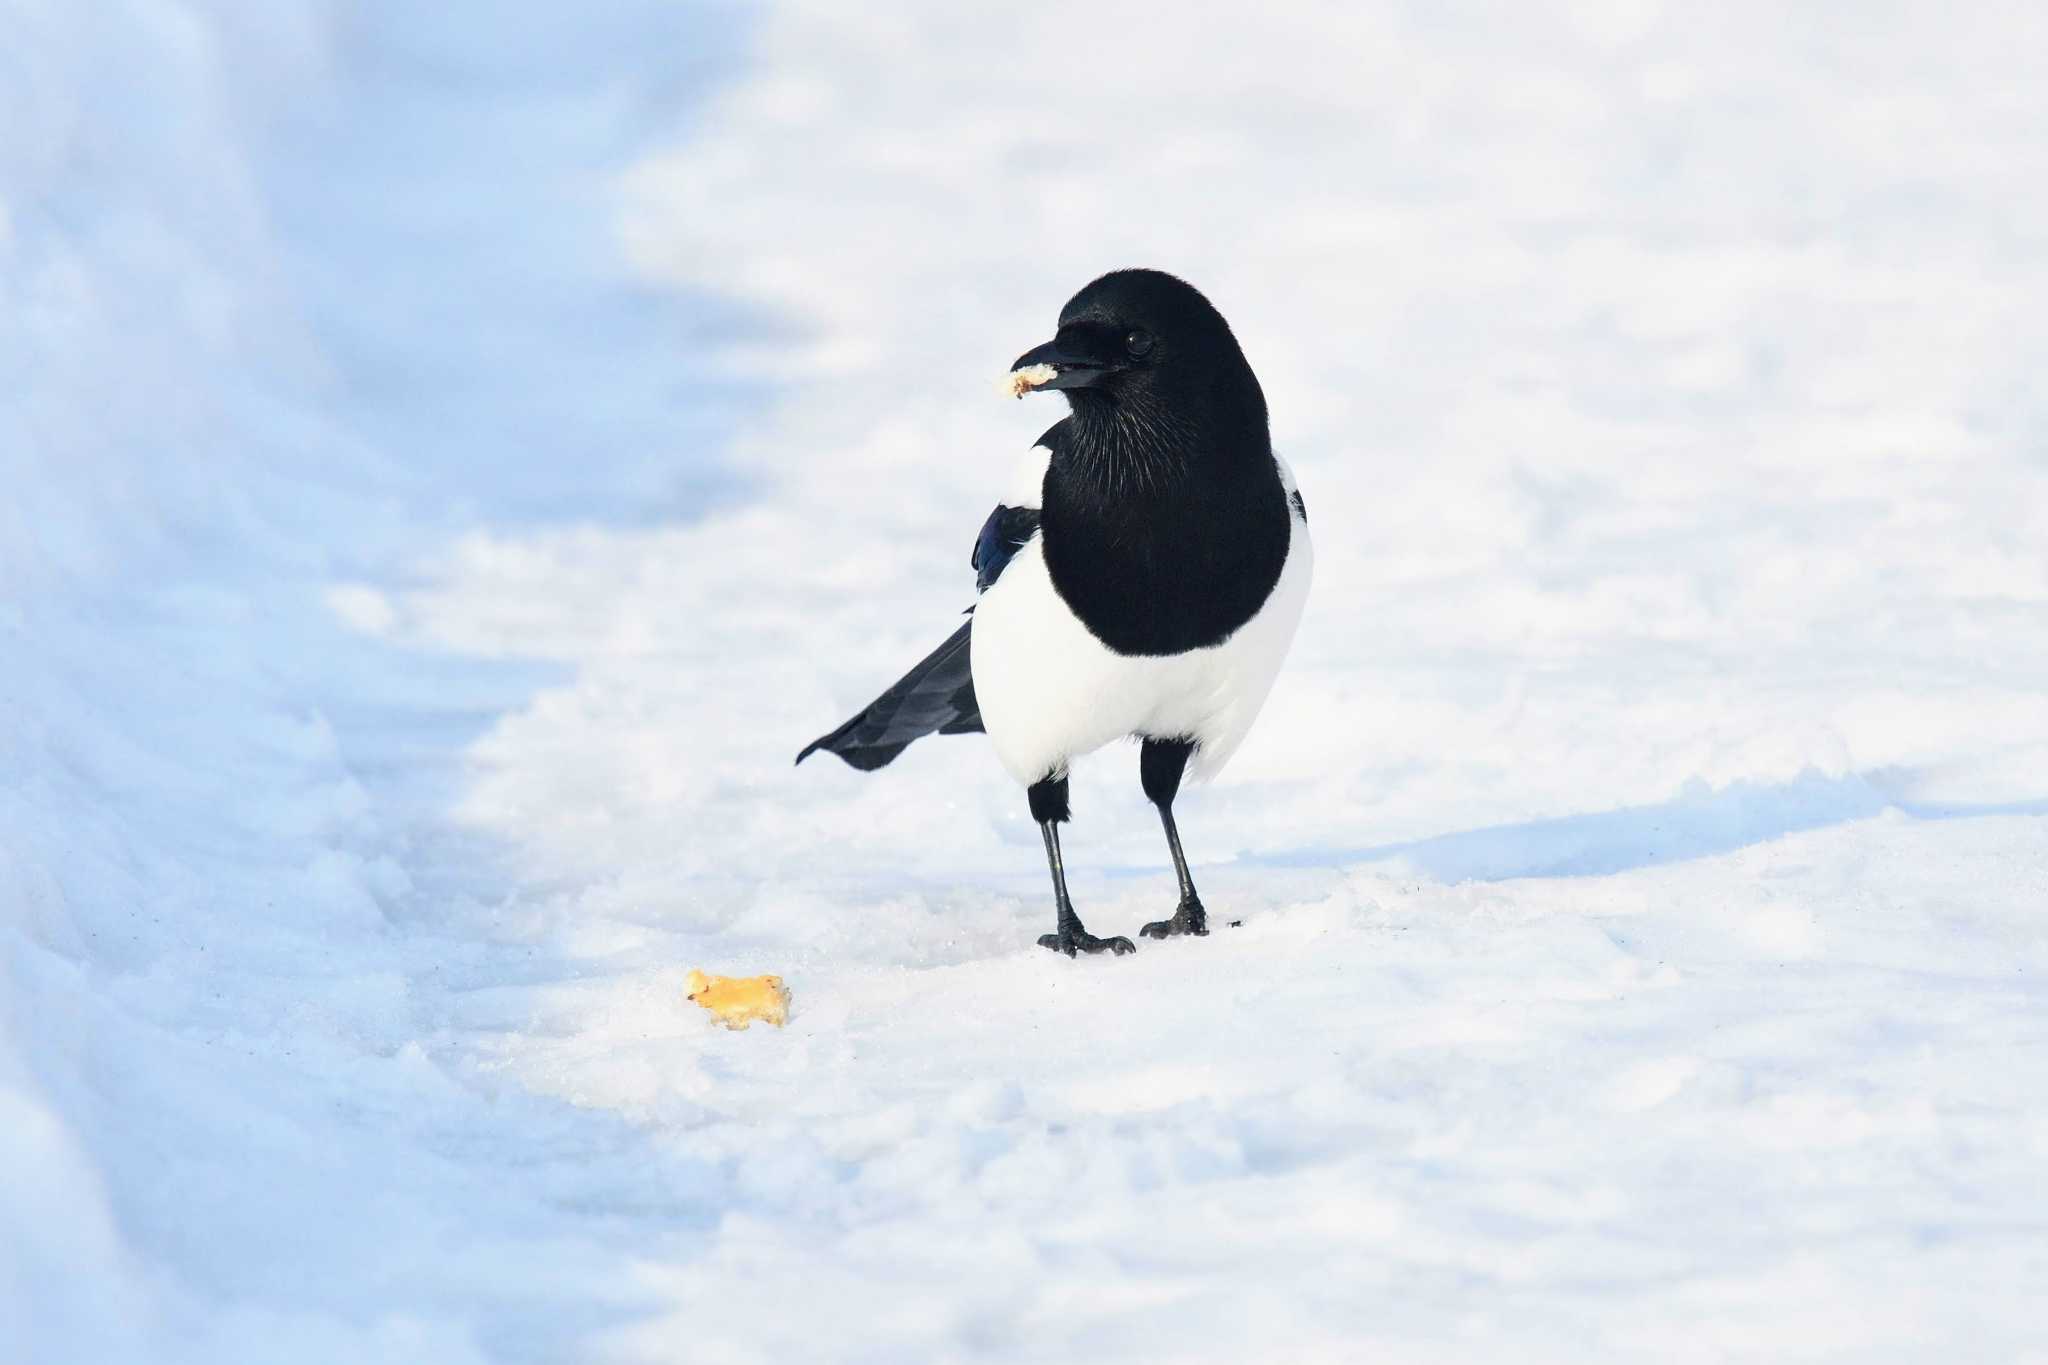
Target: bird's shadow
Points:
x,y
1700,822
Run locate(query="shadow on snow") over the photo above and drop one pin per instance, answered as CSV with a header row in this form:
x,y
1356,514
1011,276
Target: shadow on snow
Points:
x,y
1700,822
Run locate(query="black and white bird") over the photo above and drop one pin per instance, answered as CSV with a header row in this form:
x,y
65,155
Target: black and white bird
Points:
x,y
1143,579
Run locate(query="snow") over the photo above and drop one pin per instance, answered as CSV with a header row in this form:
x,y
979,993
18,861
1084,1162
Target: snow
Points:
x,y
455,457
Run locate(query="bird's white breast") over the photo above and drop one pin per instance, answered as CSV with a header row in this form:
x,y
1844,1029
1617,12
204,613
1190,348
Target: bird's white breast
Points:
x,y
1050,691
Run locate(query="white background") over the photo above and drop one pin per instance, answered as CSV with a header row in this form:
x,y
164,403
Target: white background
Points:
x,y
453,456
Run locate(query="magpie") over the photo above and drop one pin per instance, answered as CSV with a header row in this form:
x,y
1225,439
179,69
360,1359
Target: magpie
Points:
x,y
1143,579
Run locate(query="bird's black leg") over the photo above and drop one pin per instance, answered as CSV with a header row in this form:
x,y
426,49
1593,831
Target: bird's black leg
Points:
x,y
1160,764
1048,808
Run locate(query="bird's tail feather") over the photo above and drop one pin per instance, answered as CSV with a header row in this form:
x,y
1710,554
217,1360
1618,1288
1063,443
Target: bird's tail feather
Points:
x,y
936,697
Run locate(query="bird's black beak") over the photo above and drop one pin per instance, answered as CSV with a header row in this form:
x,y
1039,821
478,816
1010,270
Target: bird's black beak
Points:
x,y
1069,369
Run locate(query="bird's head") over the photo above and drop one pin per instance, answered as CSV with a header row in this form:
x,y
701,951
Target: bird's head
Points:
x,y
1142,341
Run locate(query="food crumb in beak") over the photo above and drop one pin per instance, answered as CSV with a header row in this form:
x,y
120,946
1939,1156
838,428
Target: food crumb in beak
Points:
x,y
1017,383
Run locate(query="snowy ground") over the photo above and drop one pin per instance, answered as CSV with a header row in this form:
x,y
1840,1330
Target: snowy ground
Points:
x,y
456,455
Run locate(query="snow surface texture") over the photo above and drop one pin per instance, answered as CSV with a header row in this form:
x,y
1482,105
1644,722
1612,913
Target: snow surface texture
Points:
x,y
456,456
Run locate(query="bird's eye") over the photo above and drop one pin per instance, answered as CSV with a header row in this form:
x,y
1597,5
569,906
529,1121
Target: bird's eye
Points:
x,y
1138,342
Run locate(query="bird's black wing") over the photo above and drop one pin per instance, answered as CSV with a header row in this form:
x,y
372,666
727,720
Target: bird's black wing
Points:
x,y
936,697
1002,535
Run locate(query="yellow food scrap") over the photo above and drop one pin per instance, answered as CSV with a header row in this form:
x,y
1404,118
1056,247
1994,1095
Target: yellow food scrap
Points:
x,y
737,1001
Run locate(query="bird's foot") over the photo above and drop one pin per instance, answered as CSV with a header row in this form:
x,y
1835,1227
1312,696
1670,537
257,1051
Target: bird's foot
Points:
x,y
1190,918
1072,939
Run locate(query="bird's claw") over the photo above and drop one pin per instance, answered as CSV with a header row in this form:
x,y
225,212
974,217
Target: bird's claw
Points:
x,y
1190,918
1079,940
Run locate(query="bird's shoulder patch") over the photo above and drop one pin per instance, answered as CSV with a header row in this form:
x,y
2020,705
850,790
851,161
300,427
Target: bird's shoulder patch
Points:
x,y
1300,507
1004,533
